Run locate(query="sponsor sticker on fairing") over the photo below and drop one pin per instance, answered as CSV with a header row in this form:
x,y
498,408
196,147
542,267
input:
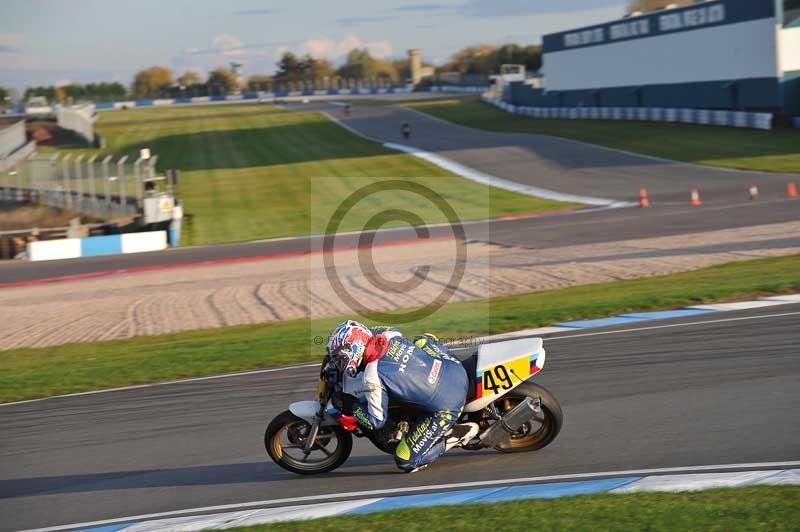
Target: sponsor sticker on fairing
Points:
x,y
433,376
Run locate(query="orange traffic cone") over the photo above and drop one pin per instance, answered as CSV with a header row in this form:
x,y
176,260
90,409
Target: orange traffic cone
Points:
x,y
643,199
753,192
791,190
696,198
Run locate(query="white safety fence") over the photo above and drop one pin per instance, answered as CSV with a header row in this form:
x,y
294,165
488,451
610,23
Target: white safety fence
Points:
x,y
11,139
710,117
101,186
78,119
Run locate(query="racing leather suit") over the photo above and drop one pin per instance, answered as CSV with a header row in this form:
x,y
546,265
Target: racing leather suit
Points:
x,y
421,373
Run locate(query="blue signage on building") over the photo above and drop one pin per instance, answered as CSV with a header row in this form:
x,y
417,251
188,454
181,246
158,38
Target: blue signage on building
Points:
x,y
661,22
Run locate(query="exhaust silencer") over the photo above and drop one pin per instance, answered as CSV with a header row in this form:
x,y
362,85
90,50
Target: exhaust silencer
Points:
x,y
501,431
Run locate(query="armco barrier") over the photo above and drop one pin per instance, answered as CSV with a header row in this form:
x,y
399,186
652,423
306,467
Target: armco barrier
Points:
x,y
269,95
650,114
459,88
71,248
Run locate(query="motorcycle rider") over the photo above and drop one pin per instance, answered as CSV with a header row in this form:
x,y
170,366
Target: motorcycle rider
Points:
x,y
405,129
381,364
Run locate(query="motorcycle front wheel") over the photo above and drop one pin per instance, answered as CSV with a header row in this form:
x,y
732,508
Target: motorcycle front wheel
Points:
x,y
285,439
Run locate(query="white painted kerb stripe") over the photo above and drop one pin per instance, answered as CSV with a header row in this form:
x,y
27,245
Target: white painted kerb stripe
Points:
x,y
696,482
660,483
411,489
154,384
250,517
486,179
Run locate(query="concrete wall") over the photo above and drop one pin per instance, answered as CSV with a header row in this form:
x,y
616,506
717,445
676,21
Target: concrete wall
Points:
x,y
78,119
70,248
11,139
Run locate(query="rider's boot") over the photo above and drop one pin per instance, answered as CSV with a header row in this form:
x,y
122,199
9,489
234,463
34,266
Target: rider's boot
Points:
x,y
461,434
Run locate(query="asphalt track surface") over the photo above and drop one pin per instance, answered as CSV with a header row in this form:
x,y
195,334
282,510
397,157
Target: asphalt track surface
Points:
x,y
555,163
547,162
721,391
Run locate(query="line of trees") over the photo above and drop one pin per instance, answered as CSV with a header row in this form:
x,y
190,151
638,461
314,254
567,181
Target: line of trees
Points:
x,y
293,72
645,6
486,58
74,92
358,65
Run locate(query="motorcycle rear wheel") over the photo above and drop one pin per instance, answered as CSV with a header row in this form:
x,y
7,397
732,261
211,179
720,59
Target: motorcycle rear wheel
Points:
x,y
287,432
533,435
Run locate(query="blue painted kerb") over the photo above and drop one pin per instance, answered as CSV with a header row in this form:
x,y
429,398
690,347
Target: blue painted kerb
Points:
x,y
506,493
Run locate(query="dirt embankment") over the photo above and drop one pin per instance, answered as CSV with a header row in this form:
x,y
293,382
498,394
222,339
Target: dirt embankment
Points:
x,y
17,217
47,133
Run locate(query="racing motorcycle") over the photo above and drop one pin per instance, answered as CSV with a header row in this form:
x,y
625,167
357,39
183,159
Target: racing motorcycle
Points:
x,y
514,413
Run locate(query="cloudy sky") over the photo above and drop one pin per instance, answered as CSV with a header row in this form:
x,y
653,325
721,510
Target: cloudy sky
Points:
x,y
56,41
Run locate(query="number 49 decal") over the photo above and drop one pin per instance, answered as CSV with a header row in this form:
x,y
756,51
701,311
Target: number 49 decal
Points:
x,y
504,376
502,382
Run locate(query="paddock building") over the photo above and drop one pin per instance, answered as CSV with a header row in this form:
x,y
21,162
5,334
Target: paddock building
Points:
x,y
713,54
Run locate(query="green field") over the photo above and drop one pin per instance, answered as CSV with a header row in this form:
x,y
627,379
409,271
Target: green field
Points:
x,y
773,508
750,149
257,171
31,373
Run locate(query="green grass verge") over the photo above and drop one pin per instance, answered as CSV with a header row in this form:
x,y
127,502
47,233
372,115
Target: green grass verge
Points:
x,y
750,149
773,508
252,172
31,373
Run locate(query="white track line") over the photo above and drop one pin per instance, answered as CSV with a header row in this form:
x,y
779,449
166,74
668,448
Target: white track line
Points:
x,y
403,490
505,184
154,384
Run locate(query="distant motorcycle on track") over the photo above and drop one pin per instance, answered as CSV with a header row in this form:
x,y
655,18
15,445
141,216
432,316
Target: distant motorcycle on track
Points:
x,y
514,413
405,129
